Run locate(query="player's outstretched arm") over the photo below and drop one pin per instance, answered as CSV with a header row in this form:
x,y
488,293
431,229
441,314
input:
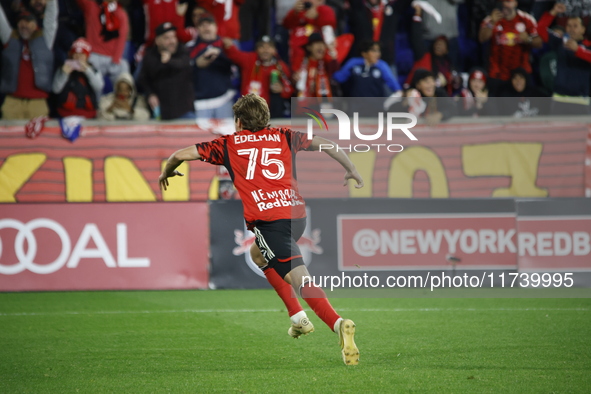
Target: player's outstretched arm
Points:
x,y
331,149
175,160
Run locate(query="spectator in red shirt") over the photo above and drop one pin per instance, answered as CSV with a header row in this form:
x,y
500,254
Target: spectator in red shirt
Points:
x,y
107,26
305,18
512,33
77,84
27,63
158,12
226,14
263,73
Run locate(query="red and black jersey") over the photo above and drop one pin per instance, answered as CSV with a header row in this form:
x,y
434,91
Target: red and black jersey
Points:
x,y
507,52
262,167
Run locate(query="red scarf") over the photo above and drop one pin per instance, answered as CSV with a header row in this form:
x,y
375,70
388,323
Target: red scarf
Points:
x,y
317,79
109,21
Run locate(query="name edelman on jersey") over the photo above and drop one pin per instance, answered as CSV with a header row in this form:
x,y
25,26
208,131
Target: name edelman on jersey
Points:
x,y
239,139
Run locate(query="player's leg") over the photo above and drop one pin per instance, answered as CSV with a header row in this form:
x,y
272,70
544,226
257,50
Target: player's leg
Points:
x,y
299,277
283,289
300,324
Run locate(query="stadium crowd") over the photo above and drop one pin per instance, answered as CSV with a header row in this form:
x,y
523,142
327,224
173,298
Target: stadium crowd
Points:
x,y
179,59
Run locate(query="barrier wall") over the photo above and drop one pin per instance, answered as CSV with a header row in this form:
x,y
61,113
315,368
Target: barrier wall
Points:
x,y
119,245
122,164
383,236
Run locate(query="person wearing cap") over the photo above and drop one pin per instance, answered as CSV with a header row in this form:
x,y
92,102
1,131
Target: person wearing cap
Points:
x,y
212,73
77,84
107,26
424,99
474,99
263,73
315,73
27,63
305,18
166,74
158,12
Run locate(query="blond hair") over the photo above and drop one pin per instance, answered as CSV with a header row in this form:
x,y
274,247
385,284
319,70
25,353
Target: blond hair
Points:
x,y
253,112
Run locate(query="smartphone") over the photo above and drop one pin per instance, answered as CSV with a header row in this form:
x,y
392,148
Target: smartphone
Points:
x,y
307,5
74,64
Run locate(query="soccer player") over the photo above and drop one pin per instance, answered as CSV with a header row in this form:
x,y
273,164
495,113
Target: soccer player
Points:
x,y
261,162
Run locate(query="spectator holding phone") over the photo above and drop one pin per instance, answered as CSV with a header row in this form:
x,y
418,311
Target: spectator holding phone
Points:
x,y
573,63
27,63
512,34
305,18
78,84
473,100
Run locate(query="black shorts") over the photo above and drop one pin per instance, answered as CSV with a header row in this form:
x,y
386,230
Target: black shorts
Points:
x,y
277,241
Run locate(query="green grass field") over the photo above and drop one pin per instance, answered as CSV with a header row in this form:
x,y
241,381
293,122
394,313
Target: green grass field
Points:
x,y
236,341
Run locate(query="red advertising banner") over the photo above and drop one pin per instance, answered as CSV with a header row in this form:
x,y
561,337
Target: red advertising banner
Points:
x,y
432,241
129,246
122,163
554,243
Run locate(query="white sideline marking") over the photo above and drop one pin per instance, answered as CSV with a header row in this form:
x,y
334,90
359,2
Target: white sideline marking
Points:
x,y
280,310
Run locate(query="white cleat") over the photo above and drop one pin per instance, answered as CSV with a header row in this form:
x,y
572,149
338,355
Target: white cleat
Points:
x,y
304,327
346,333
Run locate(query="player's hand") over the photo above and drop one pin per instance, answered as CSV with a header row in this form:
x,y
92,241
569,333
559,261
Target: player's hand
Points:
x,y
165,56
163,179
356,177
